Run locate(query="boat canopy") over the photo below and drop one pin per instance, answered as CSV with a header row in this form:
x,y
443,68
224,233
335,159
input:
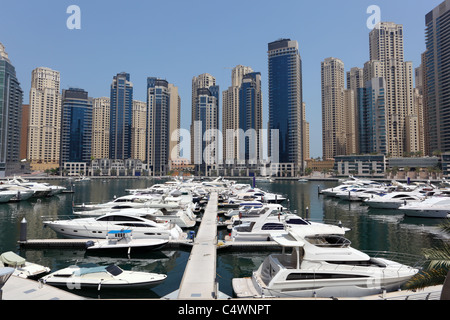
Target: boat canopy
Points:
x,y
119,231
12,259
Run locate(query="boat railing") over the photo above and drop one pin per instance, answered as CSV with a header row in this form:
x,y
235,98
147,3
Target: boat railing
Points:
x,y
406,259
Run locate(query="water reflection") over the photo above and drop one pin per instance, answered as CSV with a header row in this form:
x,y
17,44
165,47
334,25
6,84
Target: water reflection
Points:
x,y
371,229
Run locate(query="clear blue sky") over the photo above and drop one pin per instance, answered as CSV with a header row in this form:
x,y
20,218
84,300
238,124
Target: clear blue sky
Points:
x,y
178,39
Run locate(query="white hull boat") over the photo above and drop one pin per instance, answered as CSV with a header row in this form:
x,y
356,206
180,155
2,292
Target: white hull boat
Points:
x,y
98,227
102,277
434,207
392,200
22,268
122,241
321,266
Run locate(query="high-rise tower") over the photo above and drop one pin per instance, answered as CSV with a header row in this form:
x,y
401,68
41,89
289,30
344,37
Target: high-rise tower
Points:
x,y
121,104
286,101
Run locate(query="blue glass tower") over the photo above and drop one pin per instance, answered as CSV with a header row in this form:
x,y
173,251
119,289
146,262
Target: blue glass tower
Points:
x,y
158,117
286,101
121,117
76,126
11,96
250,115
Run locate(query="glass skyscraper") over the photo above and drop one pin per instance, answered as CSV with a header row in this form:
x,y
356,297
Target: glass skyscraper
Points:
x,y
11,96
436,83
158,116
76,126
286,101
250,116
121,117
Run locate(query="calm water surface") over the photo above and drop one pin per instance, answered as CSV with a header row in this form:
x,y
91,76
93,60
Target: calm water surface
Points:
x,y
378,230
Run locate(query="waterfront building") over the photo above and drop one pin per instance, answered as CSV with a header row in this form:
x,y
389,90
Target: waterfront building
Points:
x,y
339,126
205,125
138,130
285,103
100,127
121,106
360,165
24,131
76,127
158,134
436,74
386,47
306,154
44,130
11,96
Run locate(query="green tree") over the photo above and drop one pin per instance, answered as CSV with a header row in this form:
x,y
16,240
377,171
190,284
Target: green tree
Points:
x,y
436,271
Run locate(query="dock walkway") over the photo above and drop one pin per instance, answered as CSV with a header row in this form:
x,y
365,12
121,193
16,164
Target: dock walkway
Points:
x,y
199,278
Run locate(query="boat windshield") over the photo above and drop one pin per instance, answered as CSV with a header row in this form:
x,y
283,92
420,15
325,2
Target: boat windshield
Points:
x,y
329,241
114,270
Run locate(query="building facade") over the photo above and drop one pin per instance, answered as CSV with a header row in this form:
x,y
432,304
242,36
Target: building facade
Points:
x,y
121,106
11,96
139,130
230,114
44,130
386,47
436,85
100,127
158,134
76,127
285,103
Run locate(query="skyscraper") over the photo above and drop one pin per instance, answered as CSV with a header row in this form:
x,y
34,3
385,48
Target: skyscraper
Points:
x,y
158,116
121,104
174,123
386,47
44,129
286,102
250,117
230,114
76,127
139,130
100,127
11,96
436,72
205,122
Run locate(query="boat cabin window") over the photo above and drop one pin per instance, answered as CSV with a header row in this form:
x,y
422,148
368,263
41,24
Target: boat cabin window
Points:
x,y
316,275
273,226
297,221
136,225
118,218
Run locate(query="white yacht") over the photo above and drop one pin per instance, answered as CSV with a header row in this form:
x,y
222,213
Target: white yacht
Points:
x,y
432,207
321,266
393,200
124,202
98,227
99,277
40,190
21,193
271,222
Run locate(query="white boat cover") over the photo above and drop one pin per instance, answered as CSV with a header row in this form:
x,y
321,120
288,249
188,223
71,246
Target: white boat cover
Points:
x,y
12,259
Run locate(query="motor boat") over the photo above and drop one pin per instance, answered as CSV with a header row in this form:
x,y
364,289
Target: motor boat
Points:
x,y
273,222
122,241
40,190
432,207
393,200
98,227
246,207
101,277
22,268
21,193
322,266
7,195
264,179
124,202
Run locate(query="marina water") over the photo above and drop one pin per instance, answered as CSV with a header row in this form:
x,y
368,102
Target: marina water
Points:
x,y
371,230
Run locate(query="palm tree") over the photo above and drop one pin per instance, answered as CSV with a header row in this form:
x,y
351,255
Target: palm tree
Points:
x,y
437,270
